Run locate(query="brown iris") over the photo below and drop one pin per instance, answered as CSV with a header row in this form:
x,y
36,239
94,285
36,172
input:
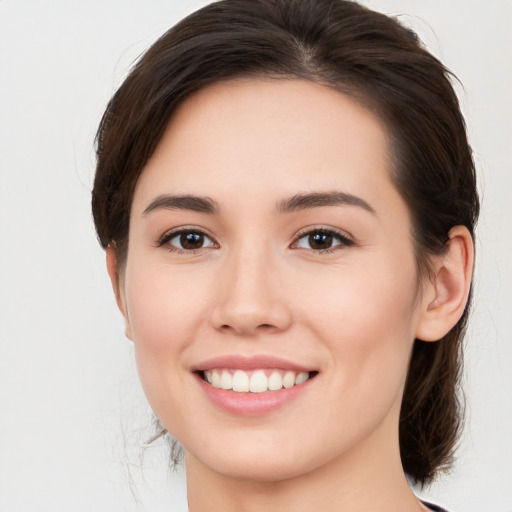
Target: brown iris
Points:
x,y
191,241
319,240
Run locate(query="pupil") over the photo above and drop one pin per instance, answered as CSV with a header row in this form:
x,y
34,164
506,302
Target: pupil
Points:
x,y
320,240
191,240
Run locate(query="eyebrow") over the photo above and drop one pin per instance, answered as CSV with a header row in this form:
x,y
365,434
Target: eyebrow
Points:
x,y
183,202
303,201
318,199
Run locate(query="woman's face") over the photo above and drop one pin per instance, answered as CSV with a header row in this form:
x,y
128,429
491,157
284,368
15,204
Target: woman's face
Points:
x,y
267,246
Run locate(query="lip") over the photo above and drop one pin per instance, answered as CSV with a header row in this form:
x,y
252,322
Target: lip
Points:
x,y
251,404
244,362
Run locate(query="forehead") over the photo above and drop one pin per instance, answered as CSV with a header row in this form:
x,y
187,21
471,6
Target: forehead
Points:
x,y
251,137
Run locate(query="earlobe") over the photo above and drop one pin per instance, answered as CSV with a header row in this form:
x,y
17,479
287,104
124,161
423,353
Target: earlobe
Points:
x,y
446,294
115,279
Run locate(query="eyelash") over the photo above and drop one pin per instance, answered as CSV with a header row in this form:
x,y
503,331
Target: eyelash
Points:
x,y
167,237
342,239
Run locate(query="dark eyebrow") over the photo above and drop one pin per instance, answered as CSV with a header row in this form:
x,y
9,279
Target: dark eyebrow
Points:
x,y
317,199
184,202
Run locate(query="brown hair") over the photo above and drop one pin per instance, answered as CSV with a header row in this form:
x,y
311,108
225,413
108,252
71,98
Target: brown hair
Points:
x,y
364,54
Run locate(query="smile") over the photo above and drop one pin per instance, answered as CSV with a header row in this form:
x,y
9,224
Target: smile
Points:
x,y
254,381
253,385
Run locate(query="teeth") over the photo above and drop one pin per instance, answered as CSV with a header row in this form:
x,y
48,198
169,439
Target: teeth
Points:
x,y
254,381
289,380
258,382
301,378
215,379
226,380
275,381
240,381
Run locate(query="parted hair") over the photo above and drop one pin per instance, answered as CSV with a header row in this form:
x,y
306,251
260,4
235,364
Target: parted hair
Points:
x,y
379,63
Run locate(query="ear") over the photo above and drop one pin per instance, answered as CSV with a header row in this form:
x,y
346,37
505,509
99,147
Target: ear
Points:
x,y
446,294
117,285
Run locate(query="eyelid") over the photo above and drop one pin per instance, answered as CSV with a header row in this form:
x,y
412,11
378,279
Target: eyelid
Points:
x,y
169,235
345,239
342,236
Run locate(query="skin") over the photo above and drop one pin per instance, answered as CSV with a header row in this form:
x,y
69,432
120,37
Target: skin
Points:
x,y
257,287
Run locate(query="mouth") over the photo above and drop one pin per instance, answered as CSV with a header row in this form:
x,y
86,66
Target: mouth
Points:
x,y
253,385
258,380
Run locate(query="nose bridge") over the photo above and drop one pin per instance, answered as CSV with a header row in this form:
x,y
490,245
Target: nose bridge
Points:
x,y
252,268
250,295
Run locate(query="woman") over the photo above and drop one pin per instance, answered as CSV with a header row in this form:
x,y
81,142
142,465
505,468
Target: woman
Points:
x,y
287,199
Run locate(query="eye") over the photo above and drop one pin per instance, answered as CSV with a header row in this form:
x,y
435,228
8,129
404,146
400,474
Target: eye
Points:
x,y
187,240
322,240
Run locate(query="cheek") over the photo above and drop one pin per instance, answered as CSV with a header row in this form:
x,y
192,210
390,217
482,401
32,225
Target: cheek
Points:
x,y
164,312
366,316
163,307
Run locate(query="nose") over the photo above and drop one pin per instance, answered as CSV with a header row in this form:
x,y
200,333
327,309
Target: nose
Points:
x,y
251,298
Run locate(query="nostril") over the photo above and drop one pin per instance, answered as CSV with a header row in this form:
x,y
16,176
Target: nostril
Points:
x,y
243,329
251,314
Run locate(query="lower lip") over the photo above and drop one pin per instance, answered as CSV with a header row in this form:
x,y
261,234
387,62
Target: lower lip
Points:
x,y
252,404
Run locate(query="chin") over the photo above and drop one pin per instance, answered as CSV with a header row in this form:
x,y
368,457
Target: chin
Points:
x,y
261,460
262,471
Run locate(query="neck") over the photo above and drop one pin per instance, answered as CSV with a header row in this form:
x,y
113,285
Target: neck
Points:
x,y
369,477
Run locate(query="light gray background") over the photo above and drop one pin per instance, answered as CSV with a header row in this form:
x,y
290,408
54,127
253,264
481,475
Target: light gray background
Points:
x,y
71,411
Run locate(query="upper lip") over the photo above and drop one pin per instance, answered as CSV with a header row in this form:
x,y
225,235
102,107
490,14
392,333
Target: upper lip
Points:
x,y
244,362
